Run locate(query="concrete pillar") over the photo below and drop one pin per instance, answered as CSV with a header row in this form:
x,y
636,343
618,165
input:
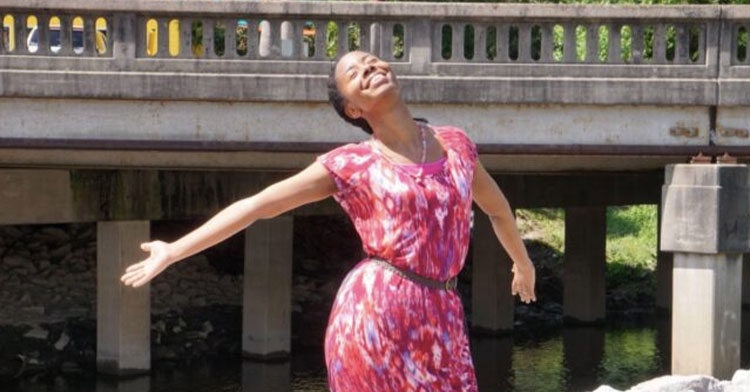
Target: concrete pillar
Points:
x,y
123,313
664,266
583,350
706,222
492,302
585,263
267,303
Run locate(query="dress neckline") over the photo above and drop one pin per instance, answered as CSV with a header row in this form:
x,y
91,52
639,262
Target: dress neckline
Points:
x,y
413,169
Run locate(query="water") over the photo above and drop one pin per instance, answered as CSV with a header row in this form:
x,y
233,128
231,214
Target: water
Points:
x,y
573,359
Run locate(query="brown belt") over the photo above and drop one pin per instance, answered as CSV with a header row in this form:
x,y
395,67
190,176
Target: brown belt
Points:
x,y
448,285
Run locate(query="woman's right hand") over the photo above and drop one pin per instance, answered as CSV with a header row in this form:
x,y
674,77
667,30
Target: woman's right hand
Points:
x,y
141,273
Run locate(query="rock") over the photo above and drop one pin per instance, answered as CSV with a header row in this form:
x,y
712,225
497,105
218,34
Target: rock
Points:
x,y
741,378
56,234
25,299
60,252
165,353
606,388
199,301
69,367
162,287
62,342
678,384
37,333
159,326
15,261
38,310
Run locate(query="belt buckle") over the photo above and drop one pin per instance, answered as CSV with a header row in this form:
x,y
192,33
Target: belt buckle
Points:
x,y
451,284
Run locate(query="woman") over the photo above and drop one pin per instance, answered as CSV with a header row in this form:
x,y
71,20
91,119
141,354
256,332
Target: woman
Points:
x,y
397,322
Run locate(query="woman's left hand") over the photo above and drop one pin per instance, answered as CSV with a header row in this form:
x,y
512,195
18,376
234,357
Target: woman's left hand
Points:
x,y
524,279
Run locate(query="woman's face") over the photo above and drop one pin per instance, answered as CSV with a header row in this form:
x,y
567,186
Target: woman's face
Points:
x,y
366,83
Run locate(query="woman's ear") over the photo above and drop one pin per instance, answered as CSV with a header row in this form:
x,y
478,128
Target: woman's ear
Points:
x,y
351,111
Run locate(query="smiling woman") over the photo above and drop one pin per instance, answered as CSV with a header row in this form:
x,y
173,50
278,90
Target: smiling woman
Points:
x,y
397,322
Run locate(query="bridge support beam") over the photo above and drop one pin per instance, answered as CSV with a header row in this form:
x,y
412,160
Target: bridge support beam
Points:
x,y
585,264
123,313
267,302
706,217
492,302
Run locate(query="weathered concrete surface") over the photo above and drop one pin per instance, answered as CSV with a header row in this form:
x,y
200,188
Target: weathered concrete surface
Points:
x,y
492,302
585,263
267,303
61,196
706,314
218,122
704,209
123,313
733,125
35,196
705,223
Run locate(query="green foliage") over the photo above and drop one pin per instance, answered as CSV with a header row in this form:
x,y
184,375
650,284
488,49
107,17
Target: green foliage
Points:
x,y
631,232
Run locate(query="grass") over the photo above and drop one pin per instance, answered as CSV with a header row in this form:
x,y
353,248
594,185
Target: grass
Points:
x,y
631,232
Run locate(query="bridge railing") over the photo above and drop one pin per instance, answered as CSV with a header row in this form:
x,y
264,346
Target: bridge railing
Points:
x,y
496,53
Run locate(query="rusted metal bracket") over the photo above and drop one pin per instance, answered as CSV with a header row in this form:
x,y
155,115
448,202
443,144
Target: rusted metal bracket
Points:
x,y
726,159
701,159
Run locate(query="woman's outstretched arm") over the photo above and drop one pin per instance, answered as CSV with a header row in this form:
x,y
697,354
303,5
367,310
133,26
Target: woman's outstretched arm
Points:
x,y
491,200
311,184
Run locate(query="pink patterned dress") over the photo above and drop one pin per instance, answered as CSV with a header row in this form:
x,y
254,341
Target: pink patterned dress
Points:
x,y
385,332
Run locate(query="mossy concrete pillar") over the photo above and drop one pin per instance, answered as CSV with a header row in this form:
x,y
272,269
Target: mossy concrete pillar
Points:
x,y
492,302
585,264
123,314
705,222
267,299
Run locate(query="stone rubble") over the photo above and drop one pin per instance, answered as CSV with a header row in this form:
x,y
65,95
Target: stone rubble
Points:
x,y
740,383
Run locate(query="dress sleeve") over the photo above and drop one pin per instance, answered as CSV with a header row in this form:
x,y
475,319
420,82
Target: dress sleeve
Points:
x,y
341,164
461,143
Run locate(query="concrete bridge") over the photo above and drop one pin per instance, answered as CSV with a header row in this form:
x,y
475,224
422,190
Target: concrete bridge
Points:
x,y
142,119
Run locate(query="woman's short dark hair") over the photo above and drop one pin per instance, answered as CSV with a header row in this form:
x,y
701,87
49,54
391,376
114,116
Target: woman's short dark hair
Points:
x,y
337,100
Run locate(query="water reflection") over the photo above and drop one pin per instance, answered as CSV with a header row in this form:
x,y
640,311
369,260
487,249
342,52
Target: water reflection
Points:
x,y
493,363
574,359
261,377
583,350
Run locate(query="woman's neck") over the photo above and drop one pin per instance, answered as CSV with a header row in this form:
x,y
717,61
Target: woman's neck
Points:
x,y
397,130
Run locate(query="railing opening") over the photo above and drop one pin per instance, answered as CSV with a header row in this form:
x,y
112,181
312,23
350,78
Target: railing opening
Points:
x,y
152,38
626,55
174,37
536,43
219,43
648,43
513,43
491,43
9,33
241,37
603,44
671,40
742,44
196,38
446,47
332,40
695,38
31,25
399,41
468,42
581,43
558,43
101,38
